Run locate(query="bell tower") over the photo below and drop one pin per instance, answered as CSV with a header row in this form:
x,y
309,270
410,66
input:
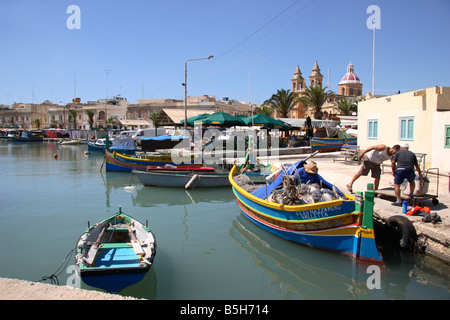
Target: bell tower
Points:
x,y
315,79
298,83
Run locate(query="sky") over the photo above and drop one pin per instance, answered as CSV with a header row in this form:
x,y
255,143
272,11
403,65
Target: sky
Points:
x,y
138,48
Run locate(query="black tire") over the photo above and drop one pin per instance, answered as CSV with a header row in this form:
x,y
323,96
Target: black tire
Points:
x,y
399,229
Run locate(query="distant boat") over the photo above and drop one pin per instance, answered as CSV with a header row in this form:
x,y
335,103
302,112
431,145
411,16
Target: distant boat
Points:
x,y
124,163
115,253
29,136
331,144
184,179
124,145
69,142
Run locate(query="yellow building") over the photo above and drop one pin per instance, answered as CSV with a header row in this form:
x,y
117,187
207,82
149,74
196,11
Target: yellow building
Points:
x,y
420,118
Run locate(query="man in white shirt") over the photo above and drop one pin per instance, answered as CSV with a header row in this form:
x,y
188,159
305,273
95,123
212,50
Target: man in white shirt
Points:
x,y
372,159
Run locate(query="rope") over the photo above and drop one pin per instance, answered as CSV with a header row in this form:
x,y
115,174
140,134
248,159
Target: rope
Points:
x,y
54,276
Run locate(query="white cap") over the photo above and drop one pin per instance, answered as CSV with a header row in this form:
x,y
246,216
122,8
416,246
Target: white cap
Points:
x,y
405,145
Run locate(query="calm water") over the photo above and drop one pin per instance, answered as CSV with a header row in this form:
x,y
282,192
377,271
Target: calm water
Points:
x,y
206,248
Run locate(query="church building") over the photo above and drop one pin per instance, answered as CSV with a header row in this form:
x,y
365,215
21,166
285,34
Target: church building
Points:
x,y
350,86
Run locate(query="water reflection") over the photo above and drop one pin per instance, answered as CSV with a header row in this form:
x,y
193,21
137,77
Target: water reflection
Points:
x,y
308,273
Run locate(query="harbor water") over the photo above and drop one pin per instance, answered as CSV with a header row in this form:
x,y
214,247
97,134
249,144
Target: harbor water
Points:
x,y
206,248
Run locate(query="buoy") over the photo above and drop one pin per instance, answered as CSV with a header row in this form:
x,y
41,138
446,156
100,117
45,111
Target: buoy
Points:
x,y
55,156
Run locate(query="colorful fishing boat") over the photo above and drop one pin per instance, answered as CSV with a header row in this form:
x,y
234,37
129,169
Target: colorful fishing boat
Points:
x,y
29,136
331,144
115,253
341,225
124,163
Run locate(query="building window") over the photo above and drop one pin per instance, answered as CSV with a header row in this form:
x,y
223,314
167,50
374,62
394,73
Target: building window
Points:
x,y
373,129
447,136
407,128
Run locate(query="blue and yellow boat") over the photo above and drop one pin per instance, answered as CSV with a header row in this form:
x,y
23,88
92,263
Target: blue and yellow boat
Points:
x,y
115,253
344,225
126,163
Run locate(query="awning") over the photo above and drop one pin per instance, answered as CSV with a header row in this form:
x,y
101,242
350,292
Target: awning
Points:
x,y
137,123
176,115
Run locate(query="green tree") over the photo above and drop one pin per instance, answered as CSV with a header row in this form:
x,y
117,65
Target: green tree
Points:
x,y
346,106
73,114
90,114
37,123
282,101
315,98
264,109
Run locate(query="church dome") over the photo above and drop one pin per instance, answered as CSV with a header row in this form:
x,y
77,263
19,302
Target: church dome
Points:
x,y
350,76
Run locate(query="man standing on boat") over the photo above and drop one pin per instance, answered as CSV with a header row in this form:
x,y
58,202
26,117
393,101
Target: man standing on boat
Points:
x,y
403,166
372,159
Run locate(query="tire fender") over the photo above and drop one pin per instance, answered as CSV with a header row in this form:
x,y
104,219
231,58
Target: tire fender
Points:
x,y
403,231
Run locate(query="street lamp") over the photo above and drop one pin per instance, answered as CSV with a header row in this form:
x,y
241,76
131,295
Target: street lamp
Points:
x,y
185,88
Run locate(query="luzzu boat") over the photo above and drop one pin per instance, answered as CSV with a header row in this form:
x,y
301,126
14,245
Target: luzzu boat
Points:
x,y
331,144
342,225
126,163
115,253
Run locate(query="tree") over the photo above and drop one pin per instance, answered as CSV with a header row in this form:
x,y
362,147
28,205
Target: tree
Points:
x,y
74,113
156,117
37,123
264,109
282,101
315,97
90,114
346,106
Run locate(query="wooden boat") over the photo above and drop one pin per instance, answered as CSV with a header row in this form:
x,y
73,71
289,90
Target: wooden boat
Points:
x,y
69,142
185,179
123,163
29,136
331,144
115,253
343,225
98,145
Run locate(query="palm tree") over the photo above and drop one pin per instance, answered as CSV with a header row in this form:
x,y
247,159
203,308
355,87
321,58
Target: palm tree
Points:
x,y
37,123
346,106
90,114
264,109
156,117
74,113
282,101
315,97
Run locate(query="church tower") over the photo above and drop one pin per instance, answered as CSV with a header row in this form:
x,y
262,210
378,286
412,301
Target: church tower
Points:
x,y
298,83
315,79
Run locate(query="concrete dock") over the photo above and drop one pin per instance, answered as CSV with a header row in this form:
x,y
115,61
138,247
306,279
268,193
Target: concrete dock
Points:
x,y
13,289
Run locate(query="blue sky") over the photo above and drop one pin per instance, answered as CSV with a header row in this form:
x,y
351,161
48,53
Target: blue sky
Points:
x,y
138,48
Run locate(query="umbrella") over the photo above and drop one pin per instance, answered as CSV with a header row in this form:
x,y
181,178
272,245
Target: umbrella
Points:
x,y
265,121
198,118
223,119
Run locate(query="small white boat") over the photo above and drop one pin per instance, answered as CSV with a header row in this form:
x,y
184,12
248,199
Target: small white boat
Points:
x,y
69,142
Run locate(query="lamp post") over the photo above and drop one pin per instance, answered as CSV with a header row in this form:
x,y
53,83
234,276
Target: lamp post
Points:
x,y
185,87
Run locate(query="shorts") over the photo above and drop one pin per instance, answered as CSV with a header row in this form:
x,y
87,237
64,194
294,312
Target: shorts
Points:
x,y
369,166
402,174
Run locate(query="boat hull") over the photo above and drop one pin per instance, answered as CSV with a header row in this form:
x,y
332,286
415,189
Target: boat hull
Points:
x,y
122,163
330,144
32,139
182,179
335,225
